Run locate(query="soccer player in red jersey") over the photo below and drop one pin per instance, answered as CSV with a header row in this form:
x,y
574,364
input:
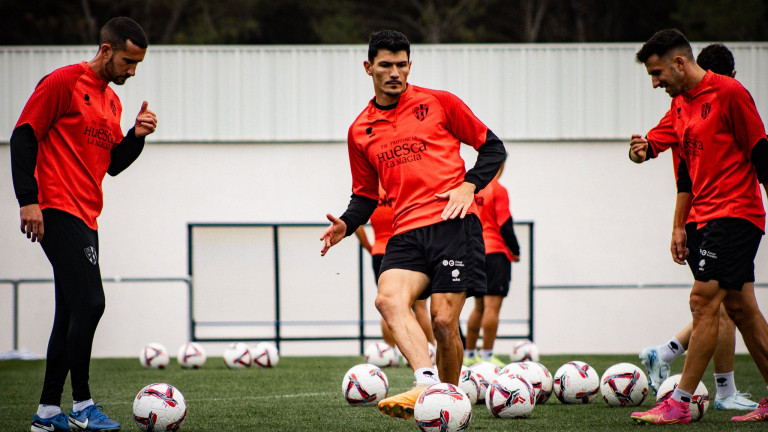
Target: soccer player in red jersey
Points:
x,y
722,155
381,222
408,139
657,359
67,138
501,248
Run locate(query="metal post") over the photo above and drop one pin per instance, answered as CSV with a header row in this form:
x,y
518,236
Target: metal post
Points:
x,y
192,335
277,284
530,282
362,302
15,315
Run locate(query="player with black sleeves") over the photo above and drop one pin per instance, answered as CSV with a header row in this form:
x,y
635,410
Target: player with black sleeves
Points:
x,y
67,139
408,138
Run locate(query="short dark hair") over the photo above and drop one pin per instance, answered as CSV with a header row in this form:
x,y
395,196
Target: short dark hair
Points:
x,y
662,42
119,30
389,40
717,58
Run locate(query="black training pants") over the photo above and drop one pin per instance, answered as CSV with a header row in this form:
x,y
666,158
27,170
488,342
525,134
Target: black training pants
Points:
x,y
72,248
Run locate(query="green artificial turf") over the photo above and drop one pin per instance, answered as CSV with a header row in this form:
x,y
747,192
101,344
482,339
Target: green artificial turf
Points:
x,y
304,393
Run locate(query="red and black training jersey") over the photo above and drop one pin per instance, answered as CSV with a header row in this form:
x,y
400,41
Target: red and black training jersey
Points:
x,y
75,116
713,129
413,150
381,222
493,205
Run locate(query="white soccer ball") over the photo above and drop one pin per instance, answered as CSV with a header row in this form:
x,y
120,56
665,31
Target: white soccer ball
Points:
x,y
700,402
159,407
510,396
380,354
154,356
442,408
469,384
364,384
485,372
624,384
237,356
265,354
576,383
191,356
528,370
546,383
524,350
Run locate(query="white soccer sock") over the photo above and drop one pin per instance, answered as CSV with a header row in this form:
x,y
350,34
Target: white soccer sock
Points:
x,y
48,411
671,350
79,406
681,396
725,384
486,354
470,353
426,376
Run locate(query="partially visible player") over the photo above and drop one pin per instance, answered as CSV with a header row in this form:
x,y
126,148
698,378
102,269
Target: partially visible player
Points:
x,y
67,139
381,222
657,359
722,158
501,248
408,139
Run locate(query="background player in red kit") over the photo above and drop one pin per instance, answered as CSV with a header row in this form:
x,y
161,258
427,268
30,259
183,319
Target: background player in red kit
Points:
x,y
408,139
723,158
657,359
501,248
67,138
381,222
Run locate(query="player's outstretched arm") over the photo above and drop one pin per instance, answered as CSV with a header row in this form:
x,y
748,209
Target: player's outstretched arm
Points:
x,y
459,200
333,234
638,149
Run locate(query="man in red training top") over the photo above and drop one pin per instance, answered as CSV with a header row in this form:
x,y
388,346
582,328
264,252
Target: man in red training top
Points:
x,y
501,248
408,138
722,156
67,138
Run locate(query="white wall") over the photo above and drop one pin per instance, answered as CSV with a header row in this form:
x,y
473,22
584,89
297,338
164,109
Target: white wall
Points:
x,y
599,219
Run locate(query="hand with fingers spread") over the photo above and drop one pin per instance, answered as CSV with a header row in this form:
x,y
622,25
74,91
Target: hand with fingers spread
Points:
x,y
146,121
459,201
638,148
32,222
333,234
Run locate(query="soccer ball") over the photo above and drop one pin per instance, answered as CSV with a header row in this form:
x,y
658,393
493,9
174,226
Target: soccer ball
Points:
x,y
237,356
524,350
154,356
265,355
380,354
364,384
442,408
576,383
469,384
527,370
485,372
699,403
624,384
191,356
546,382
159,407
510,396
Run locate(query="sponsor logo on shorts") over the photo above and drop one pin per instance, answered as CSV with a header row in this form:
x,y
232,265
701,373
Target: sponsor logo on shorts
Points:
x,y
707,254
453,263
701,264
455,275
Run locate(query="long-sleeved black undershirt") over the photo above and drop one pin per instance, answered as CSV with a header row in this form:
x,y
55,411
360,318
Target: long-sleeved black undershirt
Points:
x,y
507,230
24,160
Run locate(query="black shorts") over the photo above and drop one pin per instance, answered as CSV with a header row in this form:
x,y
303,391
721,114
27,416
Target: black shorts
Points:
x,y
498,272
376,264
723,250
451,253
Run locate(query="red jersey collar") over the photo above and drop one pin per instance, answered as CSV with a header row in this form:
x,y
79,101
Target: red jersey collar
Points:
x,y
703,86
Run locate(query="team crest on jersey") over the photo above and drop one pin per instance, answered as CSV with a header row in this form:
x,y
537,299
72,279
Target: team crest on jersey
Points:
x,y
113,106
705,110
420,111
90,253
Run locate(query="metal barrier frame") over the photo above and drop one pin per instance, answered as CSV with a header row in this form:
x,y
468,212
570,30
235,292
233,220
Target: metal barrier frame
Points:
x,y
278,323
